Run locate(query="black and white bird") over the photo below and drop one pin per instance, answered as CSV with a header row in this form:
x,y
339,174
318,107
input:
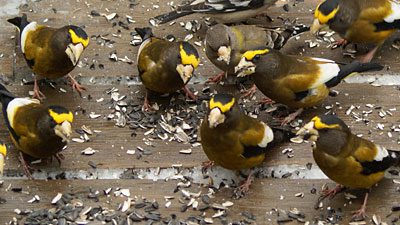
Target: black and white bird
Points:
x,y
223,11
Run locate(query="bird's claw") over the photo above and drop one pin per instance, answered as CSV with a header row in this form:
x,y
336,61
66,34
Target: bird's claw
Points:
x,y
216,79
76,86
189,94
249,92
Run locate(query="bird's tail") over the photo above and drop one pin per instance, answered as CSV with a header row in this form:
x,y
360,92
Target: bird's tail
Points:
x,y
352,69
3,153
20,22
280,38
5,96
145,32
173,15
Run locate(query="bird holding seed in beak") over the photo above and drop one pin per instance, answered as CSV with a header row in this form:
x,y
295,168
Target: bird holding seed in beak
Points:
x,y
164,66
232,139
348,160
295,81
359,21
36,130
51,52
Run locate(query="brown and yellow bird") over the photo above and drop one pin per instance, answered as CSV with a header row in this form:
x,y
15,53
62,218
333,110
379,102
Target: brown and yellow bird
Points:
x,y
348,160
232,139
296,81
164,66
36,130
359,21
3,154
225,45
51,52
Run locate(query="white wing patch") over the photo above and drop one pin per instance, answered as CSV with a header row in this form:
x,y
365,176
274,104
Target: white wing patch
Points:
x,y
395,15
15,104
381,153
30,27
268,136
328,70
144,43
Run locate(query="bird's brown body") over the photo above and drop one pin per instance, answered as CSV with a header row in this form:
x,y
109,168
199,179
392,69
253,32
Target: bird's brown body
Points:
x,y
31,138
154,69
345,168
45,55
225,144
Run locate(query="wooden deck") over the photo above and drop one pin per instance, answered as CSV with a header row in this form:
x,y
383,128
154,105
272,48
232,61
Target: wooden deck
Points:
x,y
274,196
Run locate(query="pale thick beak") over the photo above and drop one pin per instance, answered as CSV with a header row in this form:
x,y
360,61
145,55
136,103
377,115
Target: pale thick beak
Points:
x,y
215,117
308,132
317,26
245,68
64,131
224,54
185,72
74,52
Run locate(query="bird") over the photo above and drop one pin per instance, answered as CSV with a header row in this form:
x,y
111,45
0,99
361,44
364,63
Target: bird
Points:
x,y
164,66
225,45
296,81
234,140
347,159
223,11
36,130
3,154
359,21
51,52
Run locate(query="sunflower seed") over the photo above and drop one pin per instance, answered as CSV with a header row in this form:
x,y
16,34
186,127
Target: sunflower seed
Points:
x,y
56,199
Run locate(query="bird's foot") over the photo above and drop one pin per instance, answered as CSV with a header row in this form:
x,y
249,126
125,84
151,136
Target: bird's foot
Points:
x,y
360,214
36,91
25,166
291,117
189,93
266,101
76,86
147,107
245,187
331,193
59,157
207,165
216,79
249,92
340,43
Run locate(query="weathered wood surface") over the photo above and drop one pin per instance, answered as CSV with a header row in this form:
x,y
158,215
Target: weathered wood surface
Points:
x,y
113,142
267,197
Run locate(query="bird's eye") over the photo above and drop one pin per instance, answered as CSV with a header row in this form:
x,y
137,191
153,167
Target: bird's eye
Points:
x,y
256,57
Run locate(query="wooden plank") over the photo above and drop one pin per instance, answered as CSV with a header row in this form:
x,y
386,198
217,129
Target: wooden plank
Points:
x,y
265,199
113,142
77,13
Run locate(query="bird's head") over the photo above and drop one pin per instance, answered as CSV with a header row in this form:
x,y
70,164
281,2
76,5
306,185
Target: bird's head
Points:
x,y
60,121
189,60
77,41
3,153
248,62
324,14
218,38
320,125
222,109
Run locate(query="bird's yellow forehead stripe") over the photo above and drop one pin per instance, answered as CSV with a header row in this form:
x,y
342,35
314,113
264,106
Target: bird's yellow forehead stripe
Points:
x,y
223,107
3,149
249,55
76,39
323,19
60,118
318,124
188,59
